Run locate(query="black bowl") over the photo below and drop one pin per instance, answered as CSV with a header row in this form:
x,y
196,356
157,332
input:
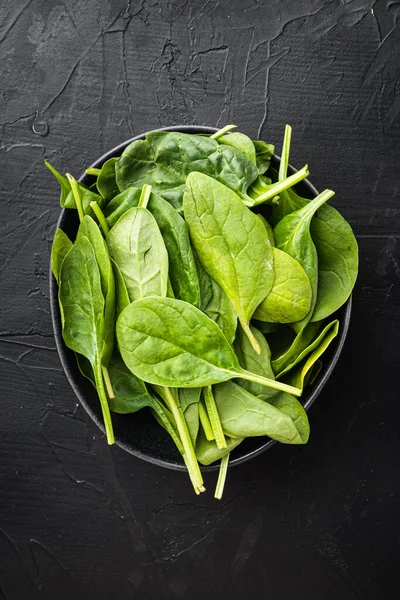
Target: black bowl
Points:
x,y
139,433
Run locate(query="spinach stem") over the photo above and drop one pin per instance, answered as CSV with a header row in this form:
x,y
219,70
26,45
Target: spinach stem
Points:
x,y
205,422
213,415
98,375
107,382
280,186
145,196
100,216
189,456
251,337
276,385
77,196
283,166
92,171
223,469
222,131
160,414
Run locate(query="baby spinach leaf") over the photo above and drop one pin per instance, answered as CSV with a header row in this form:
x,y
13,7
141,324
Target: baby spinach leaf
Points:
x,y
61,246
298,375
106,182
241,142
334,240
82,310
136,245
231,242
290,298
264,153
89,229
175,232
165,159
208,452
245,415
131,393
261,364
220,309
205,283
292,235
171,343
307,340
67,198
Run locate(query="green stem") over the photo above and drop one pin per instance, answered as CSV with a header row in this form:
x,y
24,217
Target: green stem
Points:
x,y
280,186
251,337
100,216
283,165
223,469
98,375
92,171
213,415
276,385
107,382
160,412
76,194
205,422
190,456
318,201
145,196
222,131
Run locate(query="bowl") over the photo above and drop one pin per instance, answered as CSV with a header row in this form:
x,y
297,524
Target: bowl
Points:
x,y
139,433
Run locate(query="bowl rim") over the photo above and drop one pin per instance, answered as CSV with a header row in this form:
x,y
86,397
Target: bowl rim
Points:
x,y
63,353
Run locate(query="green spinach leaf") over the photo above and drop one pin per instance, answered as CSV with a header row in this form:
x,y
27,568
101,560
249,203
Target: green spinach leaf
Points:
x,y
171,343
290,297
175,232
207,452
106,182
241,142
67,198
231,242
220,309
245,415
61,246
82,310
136,245
164,159
189,399
292,235
264,153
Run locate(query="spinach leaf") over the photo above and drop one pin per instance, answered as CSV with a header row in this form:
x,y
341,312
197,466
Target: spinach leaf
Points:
x,y
208,452
307,340
90,230
189,399
82,314
241,142
292,235
245,415
67,198
136,245
61,246
168,342
231,242
220,309
298,376
334,240
290,298
106,182
164,159
205,283
264,153
261,364
175,232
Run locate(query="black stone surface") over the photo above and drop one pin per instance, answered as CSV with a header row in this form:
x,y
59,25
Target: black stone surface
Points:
x,y
81,520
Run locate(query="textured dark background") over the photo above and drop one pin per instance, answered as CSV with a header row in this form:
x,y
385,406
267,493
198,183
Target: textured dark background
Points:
x,y
79,519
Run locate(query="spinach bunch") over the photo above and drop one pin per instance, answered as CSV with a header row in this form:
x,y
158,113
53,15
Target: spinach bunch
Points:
x,y
180,297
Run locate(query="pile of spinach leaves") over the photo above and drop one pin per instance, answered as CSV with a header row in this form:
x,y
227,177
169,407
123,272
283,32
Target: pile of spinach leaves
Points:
x,y
178,296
